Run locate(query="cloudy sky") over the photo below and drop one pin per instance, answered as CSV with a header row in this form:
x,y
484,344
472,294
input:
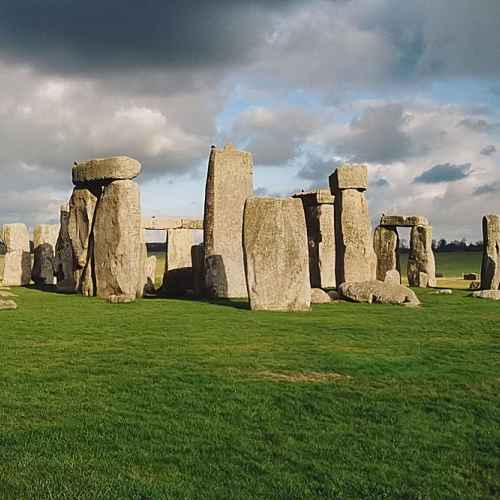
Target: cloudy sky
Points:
x,y
410,88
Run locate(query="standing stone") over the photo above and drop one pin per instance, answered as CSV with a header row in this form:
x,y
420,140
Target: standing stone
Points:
x,y
386,246
197,263
355,257
44,243
17,260
64,259
319,213
150,275
118,246
276,255
229,184
421,262
178,276
82,206
490,268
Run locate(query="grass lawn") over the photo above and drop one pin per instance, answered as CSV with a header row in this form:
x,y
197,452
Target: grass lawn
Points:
x,y
184,399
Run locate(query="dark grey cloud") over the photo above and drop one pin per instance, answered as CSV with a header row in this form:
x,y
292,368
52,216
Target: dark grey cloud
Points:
x,y
317,171
446,172
494,187
488,150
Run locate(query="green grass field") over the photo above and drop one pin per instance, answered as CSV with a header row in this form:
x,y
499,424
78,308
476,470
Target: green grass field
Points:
x,y
185,399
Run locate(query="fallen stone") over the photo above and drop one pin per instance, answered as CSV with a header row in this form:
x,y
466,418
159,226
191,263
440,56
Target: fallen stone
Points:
x,y
276,255
6,305
378,292
105,169
444,291
386,246
487,294
121,299
349,177
319,296
490,268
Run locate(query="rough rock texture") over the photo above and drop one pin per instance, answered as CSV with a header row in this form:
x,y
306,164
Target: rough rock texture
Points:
x,y
377,292
150,275
82,207
178,276
118,250
17,260
105,169
197,263
44,243
120,299
276,255
164,223
403,220
393,276
487,294
64,259
229,184
319,213
349,177
319,296
421,258
386,246
6,305
490,268
355,256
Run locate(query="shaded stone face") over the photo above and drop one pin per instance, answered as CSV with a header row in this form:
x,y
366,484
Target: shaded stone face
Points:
x,y
118,249
421,261
64,258
276,255
229,184
178,276
490,268
198,265
17,260
386,246
103,170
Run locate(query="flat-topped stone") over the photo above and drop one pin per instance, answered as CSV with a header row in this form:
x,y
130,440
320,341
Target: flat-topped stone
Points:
x,y
105,169
164,223
349,177
317,197
403,220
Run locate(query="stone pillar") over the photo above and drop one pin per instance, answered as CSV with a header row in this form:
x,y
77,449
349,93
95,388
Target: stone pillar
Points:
x,y
319,214
490,268
276,255
64,258
421,262
150,275
229,184
44,244
178,277
355,257
197,263
386,246
17,260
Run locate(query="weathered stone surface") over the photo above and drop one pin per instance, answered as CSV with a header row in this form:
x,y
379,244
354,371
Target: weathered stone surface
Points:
x,y
421,258
487,294
319,213
150,275
6,305
82,207
44,243
377,292
178,276
121,299
386,246
45,234
164,223
355,256
319,296
17,260
64,259
403,220
198,265
349,177
229,184
118,241
105,169
490,268
393,276
276,255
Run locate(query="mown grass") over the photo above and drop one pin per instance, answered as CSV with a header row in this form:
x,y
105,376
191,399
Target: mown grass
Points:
x,y
184,399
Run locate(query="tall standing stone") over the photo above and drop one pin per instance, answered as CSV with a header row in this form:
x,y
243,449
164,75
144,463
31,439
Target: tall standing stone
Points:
x,y
490,268
319,214
150,275
118,246
421,261
17,260
44,244
229,184
355,257
64,259
198,265
276,255
178,276
386,246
